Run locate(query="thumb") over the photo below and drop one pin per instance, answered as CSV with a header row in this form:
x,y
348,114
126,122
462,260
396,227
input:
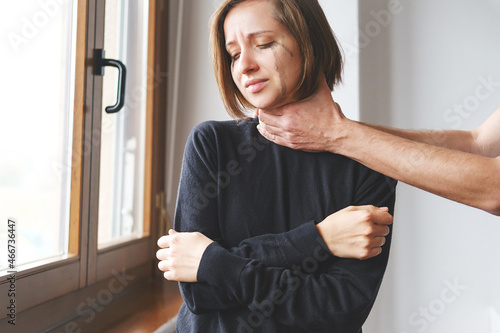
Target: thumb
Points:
x,y
172,232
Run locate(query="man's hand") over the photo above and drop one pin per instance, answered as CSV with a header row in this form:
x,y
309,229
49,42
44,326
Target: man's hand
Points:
x,y
180,255
356,232
313,124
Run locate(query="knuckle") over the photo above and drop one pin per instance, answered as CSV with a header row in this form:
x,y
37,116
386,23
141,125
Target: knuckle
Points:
x,y
368,230
289,137
288,126
366,216
172,263
365,254
366,244
174,239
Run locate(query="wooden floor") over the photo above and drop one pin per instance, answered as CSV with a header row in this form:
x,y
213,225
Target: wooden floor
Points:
x,y
163,303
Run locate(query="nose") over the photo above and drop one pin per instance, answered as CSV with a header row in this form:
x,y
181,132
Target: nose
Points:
x,y
247,62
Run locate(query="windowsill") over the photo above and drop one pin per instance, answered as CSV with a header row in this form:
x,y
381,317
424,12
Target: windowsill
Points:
x,y
41,265
151,307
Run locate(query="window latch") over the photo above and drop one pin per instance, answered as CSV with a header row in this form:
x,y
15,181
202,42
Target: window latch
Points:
x,y
99,63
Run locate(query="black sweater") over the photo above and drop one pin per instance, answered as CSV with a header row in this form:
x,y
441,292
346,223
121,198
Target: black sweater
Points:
x,y
269,269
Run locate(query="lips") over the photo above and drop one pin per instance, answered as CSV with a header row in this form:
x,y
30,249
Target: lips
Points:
x,y
256,85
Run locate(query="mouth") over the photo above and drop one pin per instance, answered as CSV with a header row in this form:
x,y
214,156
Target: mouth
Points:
x,y
256,85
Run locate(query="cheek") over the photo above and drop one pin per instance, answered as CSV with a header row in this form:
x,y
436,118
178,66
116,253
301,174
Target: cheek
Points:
x,y
236,78
294,64
289,66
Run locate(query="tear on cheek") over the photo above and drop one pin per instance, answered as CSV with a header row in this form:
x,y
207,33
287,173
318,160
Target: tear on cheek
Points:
x,y
286,49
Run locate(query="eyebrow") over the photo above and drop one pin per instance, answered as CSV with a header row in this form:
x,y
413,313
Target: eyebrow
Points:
x,y
250,35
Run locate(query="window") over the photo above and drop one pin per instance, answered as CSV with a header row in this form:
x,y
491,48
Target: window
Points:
x,y
37,119
82,185
123,134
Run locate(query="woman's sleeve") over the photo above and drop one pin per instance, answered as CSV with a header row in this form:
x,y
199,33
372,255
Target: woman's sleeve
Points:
x,y
321,292
288,250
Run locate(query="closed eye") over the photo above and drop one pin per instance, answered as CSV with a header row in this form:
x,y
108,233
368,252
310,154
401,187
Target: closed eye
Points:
x,y
235,57
266,46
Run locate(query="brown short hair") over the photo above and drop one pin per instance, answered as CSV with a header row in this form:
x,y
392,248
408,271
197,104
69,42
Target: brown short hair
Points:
x,y
317,43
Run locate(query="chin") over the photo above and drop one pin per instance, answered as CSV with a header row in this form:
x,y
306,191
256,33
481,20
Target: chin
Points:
x,y
268,105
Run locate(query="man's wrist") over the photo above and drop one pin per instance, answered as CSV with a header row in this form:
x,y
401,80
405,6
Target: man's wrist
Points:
x,y
340,133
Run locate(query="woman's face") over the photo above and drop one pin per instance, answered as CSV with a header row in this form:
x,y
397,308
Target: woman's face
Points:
x,y
266,60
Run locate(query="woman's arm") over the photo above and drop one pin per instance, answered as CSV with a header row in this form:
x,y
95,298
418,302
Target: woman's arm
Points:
x,y
320,291
461,166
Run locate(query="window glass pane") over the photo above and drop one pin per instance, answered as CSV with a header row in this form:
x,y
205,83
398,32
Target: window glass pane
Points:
x,y
36,124
121,180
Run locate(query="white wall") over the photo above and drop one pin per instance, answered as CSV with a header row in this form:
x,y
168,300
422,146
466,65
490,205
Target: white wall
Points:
x,y
430,56
193,94
343,18
408,70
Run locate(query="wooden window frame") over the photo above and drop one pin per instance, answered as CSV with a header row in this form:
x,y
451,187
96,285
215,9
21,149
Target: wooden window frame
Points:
x,y
50,296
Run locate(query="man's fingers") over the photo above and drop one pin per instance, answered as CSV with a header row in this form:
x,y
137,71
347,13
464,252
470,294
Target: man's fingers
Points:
x,y
269,128
271,133
271,117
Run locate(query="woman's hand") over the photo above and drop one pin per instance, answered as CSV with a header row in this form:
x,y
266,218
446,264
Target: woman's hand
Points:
x,y
180,255
356,232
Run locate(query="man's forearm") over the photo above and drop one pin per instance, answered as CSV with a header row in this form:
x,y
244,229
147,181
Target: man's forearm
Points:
x,y
451,139
460,176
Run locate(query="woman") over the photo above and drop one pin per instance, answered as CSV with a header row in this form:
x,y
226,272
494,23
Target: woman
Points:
x,y
247,250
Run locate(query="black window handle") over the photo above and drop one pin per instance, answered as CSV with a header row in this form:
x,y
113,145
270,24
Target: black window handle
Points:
x,y
99,63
